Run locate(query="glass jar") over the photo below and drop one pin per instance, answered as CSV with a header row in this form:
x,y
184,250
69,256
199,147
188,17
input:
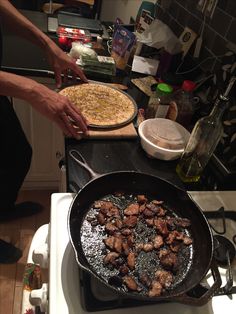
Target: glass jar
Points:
x,y
159,102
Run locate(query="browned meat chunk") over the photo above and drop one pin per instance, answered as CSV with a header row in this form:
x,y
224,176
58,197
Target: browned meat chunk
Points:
x,y
156,202
126,232
97,204
114,243
161,211
164,277
148,247
109,209
113,212
172,236
154,208
158,241
119,193
161,226
101,219
109,242
132,209
130,283
126,247
111,228
148,213
180,236
168,260
142,208
130,221
139,247
105,206
141,199
118,244
145,280
110,258
187,240
130,240
131,260
118,223
156,289
124,270
179,222
175,246
150,222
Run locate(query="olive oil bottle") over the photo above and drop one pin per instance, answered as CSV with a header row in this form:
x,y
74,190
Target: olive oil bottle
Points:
x,y
203,141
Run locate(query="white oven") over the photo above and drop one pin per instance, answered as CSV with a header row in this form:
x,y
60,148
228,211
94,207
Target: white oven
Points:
x,y
67,288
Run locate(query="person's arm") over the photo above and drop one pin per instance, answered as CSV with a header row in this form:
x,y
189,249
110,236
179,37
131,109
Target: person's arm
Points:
x,y
57,58
49,103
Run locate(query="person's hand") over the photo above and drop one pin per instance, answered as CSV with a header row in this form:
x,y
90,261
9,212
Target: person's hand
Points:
x,y
63,64
59,109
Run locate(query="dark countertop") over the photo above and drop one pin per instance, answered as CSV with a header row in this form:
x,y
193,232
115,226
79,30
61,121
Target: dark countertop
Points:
x,y
20,53
103,155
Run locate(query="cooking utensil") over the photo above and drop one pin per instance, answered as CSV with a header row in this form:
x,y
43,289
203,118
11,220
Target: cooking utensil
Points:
x,y
174,198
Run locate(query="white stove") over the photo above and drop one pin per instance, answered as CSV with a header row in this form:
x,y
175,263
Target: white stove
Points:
x,y
51,249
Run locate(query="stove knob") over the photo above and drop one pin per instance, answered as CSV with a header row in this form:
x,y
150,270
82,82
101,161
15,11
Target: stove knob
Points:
x,y
40,255
39,297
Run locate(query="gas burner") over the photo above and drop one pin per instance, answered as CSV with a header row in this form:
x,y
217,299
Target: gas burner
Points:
x,y
223,247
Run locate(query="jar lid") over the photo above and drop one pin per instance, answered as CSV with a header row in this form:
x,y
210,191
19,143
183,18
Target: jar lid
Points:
x,y
166,133
164,88
188,85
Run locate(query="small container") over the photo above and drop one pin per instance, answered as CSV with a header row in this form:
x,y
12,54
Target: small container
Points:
x,y
67,35
163,138
184,101
159,102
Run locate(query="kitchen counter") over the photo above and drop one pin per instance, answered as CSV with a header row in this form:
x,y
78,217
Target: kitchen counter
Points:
x,y
103,155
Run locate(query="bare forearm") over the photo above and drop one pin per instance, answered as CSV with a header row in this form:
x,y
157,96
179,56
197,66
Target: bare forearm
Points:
x,y
17,86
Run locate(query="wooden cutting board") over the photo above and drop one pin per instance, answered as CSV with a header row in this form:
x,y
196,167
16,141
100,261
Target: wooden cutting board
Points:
x,y
127,131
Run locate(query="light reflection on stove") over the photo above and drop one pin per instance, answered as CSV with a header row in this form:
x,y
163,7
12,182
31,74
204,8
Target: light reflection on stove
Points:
x,y
70,279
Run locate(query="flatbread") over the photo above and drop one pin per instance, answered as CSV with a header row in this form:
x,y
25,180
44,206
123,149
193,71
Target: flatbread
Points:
x,y
101,105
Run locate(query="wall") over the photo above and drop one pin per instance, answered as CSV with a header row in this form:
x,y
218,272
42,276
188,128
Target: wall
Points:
x,y
218,32
124,9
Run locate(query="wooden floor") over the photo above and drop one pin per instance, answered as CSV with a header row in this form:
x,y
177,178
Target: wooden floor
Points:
x,y
20,233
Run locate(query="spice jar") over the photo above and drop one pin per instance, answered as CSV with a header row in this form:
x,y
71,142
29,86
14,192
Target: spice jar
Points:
x,y
159,102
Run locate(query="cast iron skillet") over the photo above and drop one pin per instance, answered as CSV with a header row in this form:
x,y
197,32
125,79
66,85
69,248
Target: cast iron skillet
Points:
x,y
89,247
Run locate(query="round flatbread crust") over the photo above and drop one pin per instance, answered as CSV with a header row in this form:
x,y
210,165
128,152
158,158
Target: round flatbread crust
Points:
x,y
101,105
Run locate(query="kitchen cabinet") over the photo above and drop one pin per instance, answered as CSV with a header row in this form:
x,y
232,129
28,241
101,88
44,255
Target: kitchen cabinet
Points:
x,y
47,143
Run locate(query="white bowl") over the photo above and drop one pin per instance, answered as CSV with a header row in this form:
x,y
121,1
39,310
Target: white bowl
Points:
x,y
163,138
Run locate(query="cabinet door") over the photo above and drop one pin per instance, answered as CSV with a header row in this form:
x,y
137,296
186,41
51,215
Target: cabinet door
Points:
x,y
47,143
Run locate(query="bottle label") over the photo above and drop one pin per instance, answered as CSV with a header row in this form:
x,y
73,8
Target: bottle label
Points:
x,y
161,111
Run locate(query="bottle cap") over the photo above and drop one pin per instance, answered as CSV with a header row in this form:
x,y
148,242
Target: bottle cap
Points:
x,y
164,88
188,85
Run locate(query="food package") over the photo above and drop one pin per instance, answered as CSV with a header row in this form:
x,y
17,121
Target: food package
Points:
x,y
66,36
79,50
122,45
99,65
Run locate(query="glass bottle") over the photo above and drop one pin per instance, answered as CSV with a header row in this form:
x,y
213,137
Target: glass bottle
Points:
x,y
203,141
158,104
184,100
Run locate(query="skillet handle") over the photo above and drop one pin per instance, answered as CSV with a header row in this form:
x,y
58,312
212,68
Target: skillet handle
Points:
x,y
83,163
199,301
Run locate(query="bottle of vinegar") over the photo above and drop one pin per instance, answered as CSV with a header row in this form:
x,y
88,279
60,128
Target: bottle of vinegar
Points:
x,y
203,141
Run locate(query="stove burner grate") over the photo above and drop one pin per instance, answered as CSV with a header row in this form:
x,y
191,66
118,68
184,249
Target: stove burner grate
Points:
x,y
224,251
